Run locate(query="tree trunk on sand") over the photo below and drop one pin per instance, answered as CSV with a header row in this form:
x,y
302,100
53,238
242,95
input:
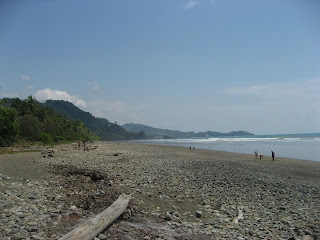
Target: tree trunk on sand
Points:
x,y
95,225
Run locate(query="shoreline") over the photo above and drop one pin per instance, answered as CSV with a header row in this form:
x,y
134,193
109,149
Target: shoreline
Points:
x,y
181,193
243,151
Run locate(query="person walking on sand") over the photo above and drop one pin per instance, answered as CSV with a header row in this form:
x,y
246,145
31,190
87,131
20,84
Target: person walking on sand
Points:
x,y
272,154
256,154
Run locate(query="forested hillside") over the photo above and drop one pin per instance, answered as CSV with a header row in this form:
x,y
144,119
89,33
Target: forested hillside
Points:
x,y
29,120
166,133
105,129
157,132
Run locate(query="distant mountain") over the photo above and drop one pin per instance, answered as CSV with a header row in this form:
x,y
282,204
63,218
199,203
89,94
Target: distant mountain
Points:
x,y
166,133
157,132
105,129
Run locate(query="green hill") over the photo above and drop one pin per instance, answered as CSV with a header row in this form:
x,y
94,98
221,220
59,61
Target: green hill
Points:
x,y
166,133
105,129
29,120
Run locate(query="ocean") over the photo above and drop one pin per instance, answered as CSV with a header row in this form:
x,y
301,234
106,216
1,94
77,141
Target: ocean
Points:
x,y
298,146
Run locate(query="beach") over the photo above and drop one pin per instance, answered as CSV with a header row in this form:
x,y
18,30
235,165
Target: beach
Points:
x,y
178,193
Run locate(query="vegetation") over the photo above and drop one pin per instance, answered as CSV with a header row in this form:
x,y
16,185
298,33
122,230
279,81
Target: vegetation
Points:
x,y
167,134
9,126
105,129
57,120
29,120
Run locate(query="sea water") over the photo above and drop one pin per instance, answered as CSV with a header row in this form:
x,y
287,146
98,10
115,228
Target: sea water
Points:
x,y
297,146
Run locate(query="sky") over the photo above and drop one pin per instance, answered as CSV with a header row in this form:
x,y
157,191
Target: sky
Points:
x,y
188,65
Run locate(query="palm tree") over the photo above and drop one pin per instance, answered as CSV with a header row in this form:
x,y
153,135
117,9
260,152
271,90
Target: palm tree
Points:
x,y
31,104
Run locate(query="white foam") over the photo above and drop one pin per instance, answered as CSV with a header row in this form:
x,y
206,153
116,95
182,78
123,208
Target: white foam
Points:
x,y
292,139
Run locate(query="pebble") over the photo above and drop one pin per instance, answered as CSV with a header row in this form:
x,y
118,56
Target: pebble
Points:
x,y
307,237
102,236
212,189
198,214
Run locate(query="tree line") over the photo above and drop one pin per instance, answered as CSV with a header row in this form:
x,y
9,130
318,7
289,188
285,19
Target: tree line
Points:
x,y
29,120
106,130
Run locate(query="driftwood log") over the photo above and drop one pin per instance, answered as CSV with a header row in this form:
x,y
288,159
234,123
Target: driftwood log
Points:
x,y
95,225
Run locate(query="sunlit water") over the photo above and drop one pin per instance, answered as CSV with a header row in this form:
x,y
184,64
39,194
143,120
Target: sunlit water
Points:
x,y
298,146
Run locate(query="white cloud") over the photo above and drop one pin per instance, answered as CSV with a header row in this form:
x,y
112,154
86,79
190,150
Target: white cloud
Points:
x,y
45,94
191,4
26,78
305,88
249,90
293,106
94,85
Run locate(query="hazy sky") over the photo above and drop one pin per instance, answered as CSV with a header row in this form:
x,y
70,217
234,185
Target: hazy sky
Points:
x,y
217,65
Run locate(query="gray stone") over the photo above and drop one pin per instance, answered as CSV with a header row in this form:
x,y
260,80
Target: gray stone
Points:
x,y
102,236
18,237
198,214
307,237
32,223
37,237
167,217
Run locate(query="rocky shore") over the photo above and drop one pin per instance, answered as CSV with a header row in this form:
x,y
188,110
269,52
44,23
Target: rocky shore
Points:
x,y
178,193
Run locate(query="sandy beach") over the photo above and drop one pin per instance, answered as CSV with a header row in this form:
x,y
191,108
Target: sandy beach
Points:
x,y
178,193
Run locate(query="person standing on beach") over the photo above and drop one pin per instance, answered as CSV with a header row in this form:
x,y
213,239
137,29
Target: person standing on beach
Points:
x,y
256,154
272,154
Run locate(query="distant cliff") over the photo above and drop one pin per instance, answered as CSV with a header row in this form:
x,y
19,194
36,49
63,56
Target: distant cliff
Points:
x,y
166,133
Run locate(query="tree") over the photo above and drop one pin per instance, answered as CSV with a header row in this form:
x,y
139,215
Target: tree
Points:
x,y
34,119
20,106
31,104
46,138
9,126
30,127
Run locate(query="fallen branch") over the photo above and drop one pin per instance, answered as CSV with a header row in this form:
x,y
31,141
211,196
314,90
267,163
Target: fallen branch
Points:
x,y
95,225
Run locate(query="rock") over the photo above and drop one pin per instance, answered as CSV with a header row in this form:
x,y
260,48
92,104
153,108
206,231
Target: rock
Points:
x,y
167,217
73,207
198,214
307,232
34,229
316,229
37,237
32,223
206,202
102,236
176,214
307,237
18,237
